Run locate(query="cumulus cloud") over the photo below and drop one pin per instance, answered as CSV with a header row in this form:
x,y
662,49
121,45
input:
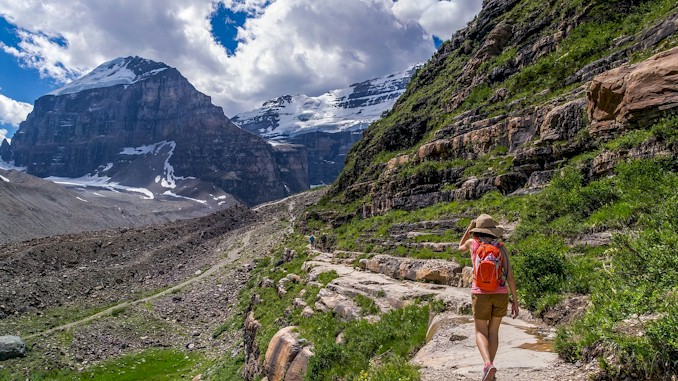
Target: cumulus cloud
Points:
x,y
12,112
3,135
285,47
439,18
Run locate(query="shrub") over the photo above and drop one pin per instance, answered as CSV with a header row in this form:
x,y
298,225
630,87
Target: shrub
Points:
x,y
540,269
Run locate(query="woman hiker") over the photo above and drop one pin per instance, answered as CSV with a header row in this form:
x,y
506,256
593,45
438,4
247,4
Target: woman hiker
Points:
x,y
489,295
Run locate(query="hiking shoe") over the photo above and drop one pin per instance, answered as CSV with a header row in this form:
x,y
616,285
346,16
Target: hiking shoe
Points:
x,y
488,372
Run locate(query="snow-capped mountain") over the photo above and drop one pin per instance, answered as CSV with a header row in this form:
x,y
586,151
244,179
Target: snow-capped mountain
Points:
x,y
348,109
328,125
139,126
120,71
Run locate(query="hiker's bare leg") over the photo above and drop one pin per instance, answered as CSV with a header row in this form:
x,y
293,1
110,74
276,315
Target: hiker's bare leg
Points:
x,y
493,336
482,340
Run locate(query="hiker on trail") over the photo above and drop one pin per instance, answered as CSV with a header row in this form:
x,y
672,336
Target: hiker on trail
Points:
x,y
489,294
311,239
323,242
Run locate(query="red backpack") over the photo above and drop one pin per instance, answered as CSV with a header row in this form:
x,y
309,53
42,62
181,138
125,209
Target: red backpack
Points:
x,y
488,269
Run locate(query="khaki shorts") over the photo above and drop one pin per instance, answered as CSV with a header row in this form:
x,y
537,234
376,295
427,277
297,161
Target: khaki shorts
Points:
x,y
489,305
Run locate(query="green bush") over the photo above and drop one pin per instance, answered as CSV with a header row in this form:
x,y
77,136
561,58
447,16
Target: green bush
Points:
x,y
540,268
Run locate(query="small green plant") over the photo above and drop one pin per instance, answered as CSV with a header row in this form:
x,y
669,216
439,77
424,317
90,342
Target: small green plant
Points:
x,y
367,305
327,277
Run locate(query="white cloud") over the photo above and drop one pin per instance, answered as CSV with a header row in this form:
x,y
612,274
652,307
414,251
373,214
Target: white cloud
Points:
x,y
439,18
287,47
3,135
13,112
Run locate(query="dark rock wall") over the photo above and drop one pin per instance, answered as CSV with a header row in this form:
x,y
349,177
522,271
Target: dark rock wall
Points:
x,y
326,153
73,134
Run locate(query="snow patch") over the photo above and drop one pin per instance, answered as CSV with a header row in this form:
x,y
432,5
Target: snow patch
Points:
x,y
9,166
170,193
3,178
168,179
100,182
81,199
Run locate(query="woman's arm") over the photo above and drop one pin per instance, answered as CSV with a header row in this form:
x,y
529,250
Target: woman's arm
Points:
x,y
515,309
464,242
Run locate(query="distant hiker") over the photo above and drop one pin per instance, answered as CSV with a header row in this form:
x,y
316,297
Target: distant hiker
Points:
x,y
489,295
311,239
323,242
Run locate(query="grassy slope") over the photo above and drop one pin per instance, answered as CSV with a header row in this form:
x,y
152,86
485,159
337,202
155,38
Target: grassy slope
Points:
x,y
424,108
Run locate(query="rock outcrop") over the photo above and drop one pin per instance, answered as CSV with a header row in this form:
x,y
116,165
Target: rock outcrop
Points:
x,y
634,95
420,270
80,129
286,357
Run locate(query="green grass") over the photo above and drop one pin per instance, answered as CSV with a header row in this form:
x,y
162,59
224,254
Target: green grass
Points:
x,y
149,365
24,325
390,341
641,280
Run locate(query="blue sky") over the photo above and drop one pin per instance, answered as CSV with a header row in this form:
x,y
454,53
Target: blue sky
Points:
x,y
240,52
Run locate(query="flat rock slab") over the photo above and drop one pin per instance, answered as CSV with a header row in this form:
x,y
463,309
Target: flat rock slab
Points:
x,y
388,293
451,352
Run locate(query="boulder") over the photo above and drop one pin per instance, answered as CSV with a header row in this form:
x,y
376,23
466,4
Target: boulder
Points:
x,y
282,349
288,255
299,366
634,94
11,347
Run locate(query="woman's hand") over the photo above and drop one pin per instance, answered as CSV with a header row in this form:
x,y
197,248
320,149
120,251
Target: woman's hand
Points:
x,y
515,309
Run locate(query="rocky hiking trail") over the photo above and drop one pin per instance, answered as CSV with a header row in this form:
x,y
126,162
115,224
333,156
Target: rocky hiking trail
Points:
x,y
450,353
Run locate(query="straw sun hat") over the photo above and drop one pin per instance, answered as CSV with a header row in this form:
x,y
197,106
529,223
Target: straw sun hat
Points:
x,y
487,225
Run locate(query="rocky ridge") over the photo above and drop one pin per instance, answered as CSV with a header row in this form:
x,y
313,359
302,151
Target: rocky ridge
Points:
x,y
521,146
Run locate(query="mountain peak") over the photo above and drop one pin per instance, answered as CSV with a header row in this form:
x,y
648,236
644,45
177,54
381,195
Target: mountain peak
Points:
x,y
120,71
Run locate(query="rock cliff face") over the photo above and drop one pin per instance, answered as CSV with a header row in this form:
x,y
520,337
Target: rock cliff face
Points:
x,y
510,99
125,106
327,125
